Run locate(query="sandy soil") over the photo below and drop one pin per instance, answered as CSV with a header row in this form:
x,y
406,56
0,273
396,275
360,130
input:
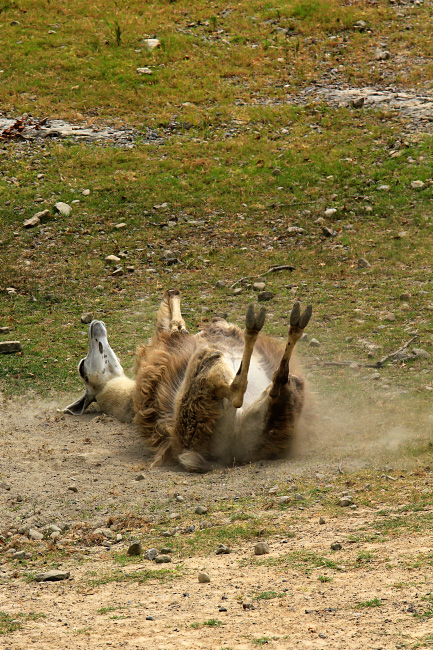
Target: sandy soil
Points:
x,y
268,600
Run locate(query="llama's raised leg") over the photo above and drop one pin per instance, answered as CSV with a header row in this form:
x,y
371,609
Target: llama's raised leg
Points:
x,y
169,314
253,324
298,322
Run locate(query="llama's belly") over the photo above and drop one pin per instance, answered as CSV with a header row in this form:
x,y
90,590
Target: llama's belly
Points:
x,y
258,380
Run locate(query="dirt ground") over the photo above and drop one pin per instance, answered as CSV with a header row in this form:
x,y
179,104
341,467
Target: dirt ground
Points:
x,y
81,474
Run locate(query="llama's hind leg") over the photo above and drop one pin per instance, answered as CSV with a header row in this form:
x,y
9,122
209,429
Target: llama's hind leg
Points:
x,y
169,314
253,324
298,322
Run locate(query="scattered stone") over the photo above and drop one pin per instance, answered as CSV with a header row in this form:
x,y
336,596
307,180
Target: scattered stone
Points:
x,y
86,318
85,192
55,536
328,232
179,498
389,317
299,497
420,353
222,549
35,534
237,291
189,529
169,257
73,488
363,263
264,296
149,554
247,606
10,347
52,528
52,576
5,486
162,559
220,284
321,520
205,524
259,286
276,171
5,330
201,510
144,71
382,55
166,550
261,548
401,235
203,577
295,230
314,343
32,222
344,502
19,555
112,259
360,25
283,499
330,212
151,43
405,297
383,188
149,618
222,609
336,546
417,185
135,548
140,477
358,102
63,209
375,376
120,226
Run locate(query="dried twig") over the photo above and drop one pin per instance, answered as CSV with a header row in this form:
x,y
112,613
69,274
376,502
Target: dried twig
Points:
x,y
272,269
380,363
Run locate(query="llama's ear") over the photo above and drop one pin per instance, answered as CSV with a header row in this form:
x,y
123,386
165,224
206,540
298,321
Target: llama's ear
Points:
x,y
78,407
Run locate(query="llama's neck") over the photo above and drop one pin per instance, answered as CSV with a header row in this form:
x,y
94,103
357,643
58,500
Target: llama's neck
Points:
x,y
116,398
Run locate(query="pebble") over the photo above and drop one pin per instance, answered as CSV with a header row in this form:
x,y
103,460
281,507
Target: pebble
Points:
x,y
5,330
169,257
120,226
321,520
201,510
314,343
261,548
336,546
203,577
417,185
345,501
389,317
162,559
237,291
205,524
220,284
52,576
166,550
259,286
264,296
360,25
112,259
10,347
179,498
5,486
151,43
151,553
149,618
19,555
63,208
144,71
52,528
363,263
329,212
140,477
85,192
422,354
35,534
283,499
358,102
382,55
222,549
384,188
106,532
328,232
117,272
73,488
86,318
135,549
405,297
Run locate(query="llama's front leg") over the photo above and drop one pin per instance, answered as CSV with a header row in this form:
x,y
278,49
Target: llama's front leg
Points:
x,y
169,315
253,324
298,322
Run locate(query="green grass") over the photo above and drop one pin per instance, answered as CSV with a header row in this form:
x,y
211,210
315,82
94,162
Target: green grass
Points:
x,y
9,623
375,602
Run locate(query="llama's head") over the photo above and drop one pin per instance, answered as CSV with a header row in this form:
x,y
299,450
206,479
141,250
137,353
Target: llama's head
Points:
x,y
97,369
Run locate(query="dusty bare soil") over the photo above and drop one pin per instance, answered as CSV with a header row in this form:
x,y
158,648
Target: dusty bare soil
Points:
x,y
81,474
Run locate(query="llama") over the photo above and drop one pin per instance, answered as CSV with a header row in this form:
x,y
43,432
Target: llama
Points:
x,y
221,395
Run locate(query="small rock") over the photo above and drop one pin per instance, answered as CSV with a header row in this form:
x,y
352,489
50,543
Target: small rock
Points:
x,y
389,317
345,501
85,192
73,488
166,550
336,546
283,499
328,232
314,343
360,25
179,498
330,212
382,55
5,330
259,286
321,520
112,259
222,550
120,226
63,208
358,102
151,553
149,618
220,284
169,257
203,577
201,510
52,528
363,263
151,43
117,272
144,71
5,486
401,234
205,524
247,606
54,536
19,555
10,347
140,477
86,318
261,548
189,529
264,296
384,188
295,230
135,548
35,534
52,576
237,291
162,559
417,185
276,171
375,376
405,297
32,222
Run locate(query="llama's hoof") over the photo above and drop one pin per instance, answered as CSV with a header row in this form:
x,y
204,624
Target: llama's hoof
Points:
x,y
254,322
299,320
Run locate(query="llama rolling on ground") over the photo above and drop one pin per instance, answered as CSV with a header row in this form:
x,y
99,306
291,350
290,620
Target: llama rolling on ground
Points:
x,y
221,395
